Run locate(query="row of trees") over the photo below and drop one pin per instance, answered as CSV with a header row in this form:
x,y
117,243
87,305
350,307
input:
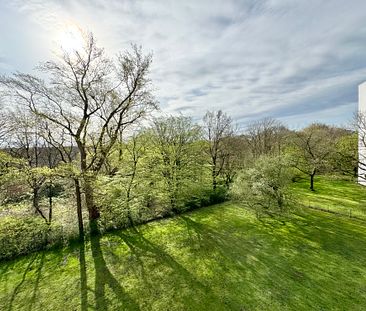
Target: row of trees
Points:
x,y
173,150
168,167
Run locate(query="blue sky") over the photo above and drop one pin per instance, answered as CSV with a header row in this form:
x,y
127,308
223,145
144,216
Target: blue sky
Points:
x,y
298,61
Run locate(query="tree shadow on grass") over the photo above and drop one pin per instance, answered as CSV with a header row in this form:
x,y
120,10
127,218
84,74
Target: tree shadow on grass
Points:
x,y
36,281
83,277
17,288
224,243
188,287
104,277
28,291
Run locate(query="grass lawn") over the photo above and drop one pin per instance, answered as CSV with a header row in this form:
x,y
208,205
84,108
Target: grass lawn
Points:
x,y
215,258
334,194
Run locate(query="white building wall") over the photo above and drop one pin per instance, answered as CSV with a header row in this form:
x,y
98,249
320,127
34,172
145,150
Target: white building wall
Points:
x,y
362,133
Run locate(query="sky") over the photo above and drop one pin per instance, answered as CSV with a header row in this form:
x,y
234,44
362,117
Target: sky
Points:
x,y
298,61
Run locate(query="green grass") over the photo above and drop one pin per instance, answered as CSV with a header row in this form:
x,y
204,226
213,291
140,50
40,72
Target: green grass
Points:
x,y
334,194
215,258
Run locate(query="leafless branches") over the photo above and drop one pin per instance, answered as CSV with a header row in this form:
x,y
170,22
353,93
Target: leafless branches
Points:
x,y
218,129
88,97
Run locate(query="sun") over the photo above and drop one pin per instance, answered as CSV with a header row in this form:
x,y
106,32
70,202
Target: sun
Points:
x,y
71,38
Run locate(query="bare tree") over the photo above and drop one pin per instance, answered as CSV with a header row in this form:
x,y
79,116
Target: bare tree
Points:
x,y
3,128
361,159
345,158
266,137
236,153
23,139
217,130
92,98
350,157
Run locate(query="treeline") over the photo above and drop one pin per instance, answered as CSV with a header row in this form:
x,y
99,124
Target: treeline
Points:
x,y
169,167
76,158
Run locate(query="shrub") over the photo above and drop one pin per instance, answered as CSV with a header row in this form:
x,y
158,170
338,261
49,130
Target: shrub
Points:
x,y
264,186
22,235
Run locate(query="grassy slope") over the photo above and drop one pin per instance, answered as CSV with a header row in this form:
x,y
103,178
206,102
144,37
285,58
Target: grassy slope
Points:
x,y
334,194
216,258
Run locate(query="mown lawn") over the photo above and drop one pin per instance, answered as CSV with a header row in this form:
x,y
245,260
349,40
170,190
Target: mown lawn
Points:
x,y
334,194
215,258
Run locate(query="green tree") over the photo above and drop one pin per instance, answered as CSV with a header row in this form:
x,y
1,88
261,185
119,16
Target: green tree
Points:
x,y
312,149
345,157
175,141
264,187
91,97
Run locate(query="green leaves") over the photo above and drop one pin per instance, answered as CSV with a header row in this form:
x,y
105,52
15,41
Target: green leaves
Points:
x,y
264,186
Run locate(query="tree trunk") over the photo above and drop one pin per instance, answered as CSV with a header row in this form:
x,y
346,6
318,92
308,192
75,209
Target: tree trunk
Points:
x,y
92,208
214,180
83,278
312,175
88,192
280,201
50,206
128,194
35,199
228,180
36,203
79,208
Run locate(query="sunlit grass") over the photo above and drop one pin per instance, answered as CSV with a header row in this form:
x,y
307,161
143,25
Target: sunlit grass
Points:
x,y
334,194
216,258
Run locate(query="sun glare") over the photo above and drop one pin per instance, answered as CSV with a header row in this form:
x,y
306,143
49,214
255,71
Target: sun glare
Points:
x,y
71,39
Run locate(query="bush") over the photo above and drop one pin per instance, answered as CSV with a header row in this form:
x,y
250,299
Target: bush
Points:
x,y
219,195
264,186
204,196
22,235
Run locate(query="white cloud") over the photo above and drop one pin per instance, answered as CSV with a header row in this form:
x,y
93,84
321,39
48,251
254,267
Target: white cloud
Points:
x,y
250,58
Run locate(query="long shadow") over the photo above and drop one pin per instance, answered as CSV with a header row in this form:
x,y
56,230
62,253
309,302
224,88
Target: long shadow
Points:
x,y
104,277
206,236
36,282
322,231
137,253
17,288
83,277
4,267
142,248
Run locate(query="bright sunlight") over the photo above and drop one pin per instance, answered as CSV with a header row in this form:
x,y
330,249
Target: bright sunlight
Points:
x,y
71,38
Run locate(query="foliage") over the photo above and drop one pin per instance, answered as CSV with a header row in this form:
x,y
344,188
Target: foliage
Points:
x,y
91,99
313,148
24,235
52,189
12,187
116,212
172,166
157,168
176,156
264,186
345,157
